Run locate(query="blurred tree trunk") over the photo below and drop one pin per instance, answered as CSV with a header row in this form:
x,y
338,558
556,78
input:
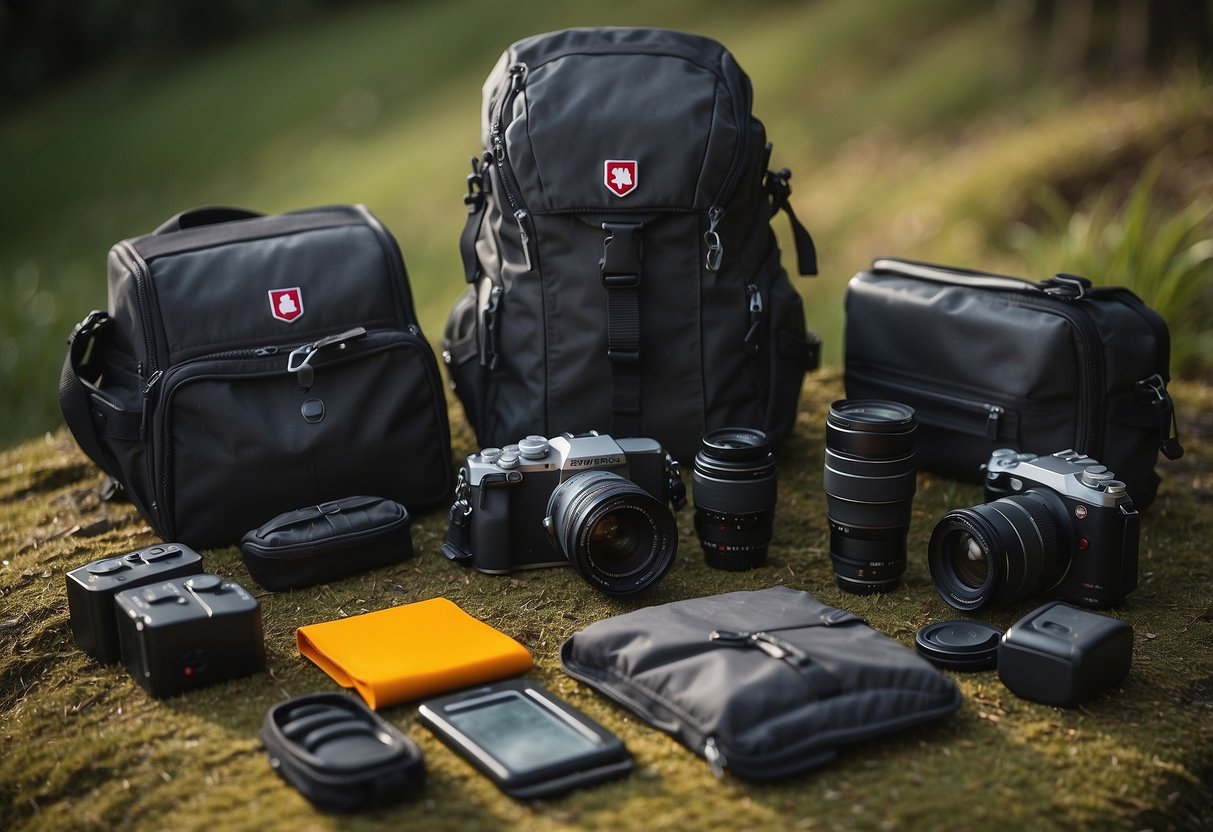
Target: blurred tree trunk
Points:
x,y
1090,40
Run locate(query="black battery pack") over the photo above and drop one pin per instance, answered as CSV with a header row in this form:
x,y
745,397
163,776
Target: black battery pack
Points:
x,y
1062,655
180,635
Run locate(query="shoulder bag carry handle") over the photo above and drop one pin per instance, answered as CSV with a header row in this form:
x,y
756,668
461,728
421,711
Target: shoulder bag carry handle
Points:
x,y
207,215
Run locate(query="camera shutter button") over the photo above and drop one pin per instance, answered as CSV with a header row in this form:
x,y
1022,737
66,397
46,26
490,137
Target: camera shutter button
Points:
x,y
490,455
533,447
508,459
1095,475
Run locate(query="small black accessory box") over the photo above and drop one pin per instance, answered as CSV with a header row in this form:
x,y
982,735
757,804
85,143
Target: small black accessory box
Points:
x,y
765,683
250,364
188,633
1062,655
91,589
989,361
339,754
326,542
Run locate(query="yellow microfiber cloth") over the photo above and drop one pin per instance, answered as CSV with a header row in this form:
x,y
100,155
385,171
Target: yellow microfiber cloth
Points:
x,y
411,651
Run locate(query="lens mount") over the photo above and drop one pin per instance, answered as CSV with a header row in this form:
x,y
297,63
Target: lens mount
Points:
x,y
616,535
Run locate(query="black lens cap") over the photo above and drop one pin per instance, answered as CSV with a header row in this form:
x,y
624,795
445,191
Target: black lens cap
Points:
x,y
959,644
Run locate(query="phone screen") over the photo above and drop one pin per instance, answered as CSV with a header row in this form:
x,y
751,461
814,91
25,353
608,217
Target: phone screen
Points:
x,y
520,733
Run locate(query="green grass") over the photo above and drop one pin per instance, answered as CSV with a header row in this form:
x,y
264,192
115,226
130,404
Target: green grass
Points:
x,y
84,747
1165,257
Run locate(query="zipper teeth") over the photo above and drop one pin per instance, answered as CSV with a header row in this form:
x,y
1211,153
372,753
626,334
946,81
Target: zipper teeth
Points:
x,y
504,170
142,277
550,212
166,434
1092,365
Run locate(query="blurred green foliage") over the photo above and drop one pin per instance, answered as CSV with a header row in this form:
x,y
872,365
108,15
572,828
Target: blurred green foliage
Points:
x,y
1165,256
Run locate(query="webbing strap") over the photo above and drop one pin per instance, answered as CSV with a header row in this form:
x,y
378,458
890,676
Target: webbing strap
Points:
x,y
621,268
88,413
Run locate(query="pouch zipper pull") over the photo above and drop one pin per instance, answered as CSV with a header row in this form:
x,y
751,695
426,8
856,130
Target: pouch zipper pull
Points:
x,y
774,647
712,240
993,414
716,760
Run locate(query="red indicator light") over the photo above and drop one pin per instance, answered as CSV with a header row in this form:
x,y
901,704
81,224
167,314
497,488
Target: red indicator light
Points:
x,y
188,671
1083,544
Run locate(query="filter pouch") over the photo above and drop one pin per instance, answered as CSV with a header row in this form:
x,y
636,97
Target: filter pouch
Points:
x,y
767,683
328,541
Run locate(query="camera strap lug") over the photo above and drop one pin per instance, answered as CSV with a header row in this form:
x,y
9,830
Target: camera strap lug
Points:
x,y
675,487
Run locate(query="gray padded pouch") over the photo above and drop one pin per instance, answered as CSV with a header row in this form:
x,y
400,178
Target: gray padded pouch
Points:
x,y
784,682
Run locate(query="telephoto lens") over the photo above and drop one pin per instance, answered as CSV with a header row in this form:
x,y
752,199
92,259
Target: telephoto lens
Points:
x,y
870,479
734,491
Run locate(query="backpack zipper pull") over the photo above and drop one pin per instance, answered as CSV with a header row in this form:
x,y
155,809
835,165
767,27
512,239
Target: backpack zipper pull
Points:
x,y
755,310
993,414
712,239
152,381
520,215
1168,426
301,357
716,760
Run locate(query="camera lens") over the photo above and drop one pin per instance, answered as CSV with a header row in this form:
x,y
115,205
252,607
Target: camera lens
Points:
x,y
870,479
619,537
734,482
1004,550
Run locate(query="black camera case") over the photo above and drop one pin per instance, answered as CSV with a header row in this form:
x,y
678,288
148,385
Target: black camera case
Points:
x,y
326,542
989,361
339,754
91,589
188,633
1062,655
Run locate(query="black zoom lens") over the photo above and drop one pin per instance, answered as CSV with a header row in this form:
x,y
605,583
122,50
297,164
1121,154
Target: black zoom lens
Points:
x,y
618,536
870,479
1004,550
734,481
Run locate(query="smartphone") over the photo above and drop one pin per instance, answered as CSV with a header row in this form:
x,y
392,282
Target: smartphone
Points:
x,y
527,741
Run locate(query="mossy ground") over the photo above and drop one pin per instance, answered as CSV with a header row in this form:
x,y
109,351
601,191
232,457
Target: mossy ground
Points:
x,y
82,746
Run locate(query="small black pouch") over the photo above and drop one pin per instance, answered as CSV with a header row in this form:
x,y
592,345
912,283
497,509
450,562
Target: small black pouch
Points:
x,y
339,754
767,683
989,361
323,543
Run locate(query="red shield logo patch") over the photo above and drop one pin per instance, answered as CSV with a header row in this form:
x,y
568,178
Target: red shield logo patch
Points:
x,y
620,175
286,304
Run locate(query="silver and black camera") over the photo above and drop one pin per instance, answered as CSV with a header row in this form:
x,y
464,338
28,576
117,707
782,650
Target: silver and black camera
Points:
x,y
597,503
1060,523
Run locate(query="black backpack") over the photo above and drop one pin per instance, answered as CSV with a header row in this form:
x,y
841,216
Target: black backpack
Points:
x,y
623,274
250,365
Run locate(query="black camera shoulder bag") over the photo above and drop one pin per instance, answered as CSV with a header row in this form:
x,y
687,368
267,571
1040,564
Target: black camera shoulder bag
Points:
x,y
989,361
252,364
